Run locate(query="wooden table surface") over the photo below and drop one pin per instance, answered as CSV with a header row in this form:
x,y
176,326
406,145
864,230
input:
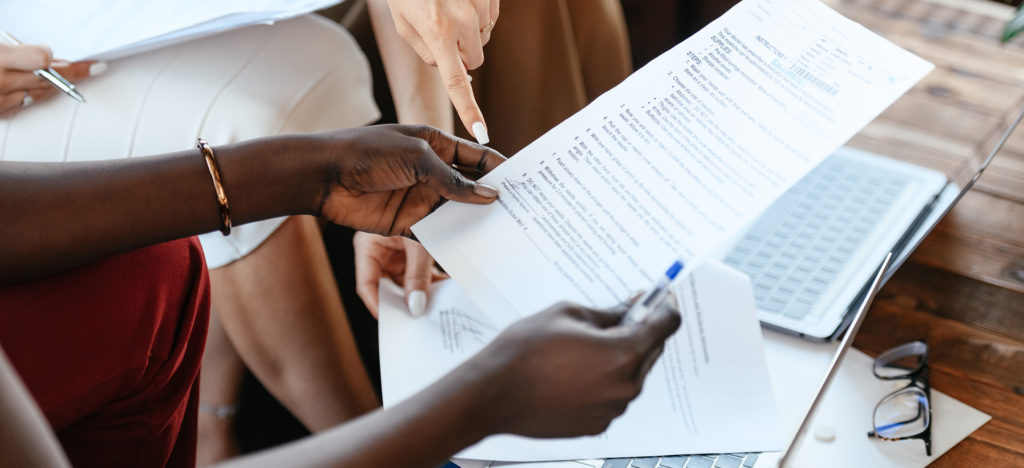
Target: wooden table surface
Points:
x,y
963,289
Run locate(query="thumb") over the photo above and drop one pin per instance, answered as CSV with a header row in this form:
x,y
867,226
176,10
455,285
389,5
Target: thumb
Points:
x,y
604,318
453,185
418,272
652,332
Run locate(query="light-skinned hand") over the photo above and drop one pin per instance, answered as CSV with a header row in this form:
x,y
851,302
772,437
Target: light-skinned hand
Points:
x,y
450,34
400,259
17,62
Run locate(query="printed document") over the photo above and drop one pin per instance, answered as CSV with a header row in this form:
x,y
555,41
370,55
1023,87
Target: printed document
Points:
x,y
709,391
671,162
109,29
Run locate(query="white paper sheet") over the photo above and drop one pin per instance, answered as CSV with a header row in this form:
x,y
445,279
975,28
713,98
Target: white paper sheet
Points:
x,y
672,161
797,367
108,29
847,410
712,374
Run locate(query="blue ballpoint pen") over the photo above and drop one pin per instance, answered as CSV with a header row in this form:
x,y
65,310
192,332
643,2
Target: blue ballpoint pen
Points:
x,y
48,74
643,307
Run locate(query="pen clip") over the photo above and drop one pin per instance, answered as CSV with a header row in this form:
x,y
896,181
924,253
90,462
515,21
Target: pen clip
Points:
x,y
53,74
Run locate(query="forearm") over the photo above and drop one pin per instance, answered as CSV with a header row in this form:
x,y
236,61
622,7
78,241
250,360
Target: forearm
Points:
x,y
422,431
416,88
58,216
24,433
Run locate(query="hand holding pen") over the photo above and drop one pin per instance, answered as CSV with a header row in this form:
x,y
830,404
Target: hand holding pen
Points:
x,y
28,74
653,296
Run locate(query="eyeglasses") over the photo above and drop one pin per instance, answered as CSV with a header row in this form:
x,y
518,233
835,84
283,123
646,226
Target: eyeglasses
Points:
x,y
905,413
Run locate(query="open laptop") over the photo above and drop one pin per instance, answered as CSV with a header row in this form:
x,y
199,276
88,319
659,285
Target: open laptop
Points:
x,y
809,255
743,460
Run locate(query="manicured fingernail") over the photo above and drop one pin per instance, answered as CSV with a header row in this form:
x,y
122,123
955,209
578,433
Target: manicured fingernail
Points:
x,y
97,68
485,191
417,303
480,132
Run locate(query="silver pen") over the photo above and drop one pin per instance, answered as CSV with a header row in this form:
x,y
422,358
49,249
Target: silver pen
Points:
x,y
643,307
48,74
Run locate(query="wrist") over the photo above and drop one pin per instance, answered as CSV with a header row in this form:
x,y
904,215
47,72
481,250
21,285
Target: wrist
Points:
x,y
271,177
487,379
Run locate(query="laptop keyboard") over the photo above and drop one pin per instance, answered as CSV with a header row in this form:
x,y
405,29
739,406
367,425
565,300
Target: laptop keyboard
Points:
x,y
797,248
795,252
727,460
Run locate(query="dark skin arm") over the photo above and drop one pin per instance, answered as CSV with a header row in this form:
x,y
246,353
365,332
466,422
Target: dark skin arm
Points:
x,y
378,179
552,354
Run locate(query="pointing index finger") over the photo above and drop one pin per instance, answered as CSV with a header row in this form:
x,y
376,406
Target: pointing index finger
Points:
x,y
457,85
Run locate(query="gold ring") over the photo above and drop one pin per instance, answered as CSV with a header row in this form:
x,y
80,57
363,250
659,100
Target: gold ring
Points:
x,y
487,28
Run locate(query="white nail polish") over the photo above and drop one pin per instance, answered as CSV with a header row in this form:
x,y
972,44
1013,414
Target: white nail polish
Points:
x,y
417,303
480,132
97,68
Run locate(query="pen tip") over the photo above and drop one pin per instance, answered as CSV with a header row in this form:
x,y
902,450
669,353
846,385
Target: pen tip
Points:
x,y
73,92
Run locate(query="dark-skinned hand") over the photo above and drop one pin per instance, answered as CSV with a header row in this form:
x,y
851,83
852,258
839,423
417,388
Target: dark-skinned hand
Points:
x,y
387,177
571,370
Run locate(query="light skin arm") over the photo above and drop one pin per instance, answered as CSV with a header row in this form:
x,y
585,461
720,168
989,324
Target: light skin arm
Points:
x,y
449,34
24,434
416,88
419,96
380,179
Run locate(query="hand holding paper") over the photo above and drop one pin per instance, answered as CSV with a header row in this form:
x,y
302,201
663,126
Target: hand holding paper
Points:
x,y
386,192
671,162
399,259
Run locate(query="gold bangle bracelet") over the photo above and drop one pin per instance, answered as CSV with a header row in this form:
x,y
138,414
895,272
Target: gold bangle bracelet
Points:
x,y
222,198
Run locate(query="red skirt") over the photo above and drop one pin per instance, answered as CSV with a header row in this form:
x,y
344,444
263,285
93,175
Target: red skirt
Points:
x,y
111,353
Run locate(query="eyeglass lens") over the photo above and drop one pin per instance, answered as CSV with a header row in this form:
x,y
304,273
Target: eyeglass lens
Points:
x,y
905,413
901,361
902,414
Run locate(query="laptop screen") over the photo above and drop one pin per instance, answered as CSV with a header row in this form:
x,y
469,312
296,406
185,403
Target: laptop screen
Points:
x,y
837,359
984,153
954,131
